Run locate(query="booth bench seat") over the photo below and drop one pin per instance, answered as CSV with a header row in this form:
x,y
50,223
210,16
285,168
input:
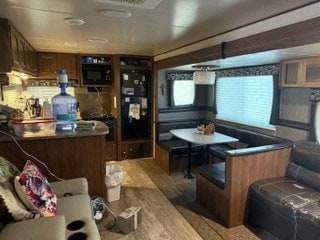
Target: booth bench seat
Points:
x,y
177,146
171,152
222,188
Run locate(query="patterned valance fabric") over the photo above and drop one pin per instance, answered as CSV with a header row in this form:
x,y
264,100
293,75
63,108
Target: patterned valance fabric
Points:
x,y
271,69
180,76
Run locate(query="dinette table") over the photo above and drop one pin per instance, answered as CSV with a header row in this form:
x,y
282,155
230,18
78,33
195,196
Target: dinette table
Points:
x,y
193,135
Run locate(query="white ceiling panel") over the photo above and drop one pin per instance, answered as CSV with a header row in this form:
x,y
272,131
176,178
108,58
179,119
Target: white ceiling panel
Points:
x,y
170,25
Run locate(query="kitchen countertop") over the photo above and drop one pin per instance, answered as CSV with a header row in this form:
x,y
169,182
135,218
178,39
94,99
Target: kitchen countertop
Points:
x,y
101,129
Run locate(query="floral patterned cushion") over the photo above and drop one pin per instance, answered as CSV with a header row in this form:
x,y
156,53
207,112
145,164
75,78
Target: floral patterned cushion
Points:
x,y
34,190
11,208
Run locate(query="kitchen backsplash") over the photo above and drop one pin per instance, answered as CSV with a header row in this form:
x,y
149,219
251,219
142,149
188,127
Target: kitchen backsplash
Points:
x,y
90,102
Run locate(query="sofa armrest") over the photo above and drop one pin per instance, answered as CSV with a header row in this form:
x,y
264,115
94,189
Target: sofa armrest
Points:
x,y
45,228
74,186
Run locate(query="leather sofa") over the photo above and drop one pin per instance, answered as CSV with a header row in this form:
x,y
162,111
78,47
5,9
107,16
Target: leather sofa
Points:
x,y
73,219
289,206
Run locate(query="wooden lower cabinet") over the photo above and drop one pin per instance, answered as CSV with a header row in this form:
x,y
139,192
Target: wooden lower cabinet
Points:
x,y
111,150
67,158
135,149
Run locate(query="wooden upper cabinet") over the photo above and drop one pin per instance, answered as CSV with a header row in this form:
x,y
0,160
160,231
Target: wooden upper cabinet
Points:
x,y
15,51
49,63
300,73
69,62
21,58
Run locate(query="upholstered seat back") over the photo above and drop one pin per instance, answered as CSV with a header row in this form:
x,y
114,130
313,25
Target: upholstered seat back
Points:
x,y
255,139
304,166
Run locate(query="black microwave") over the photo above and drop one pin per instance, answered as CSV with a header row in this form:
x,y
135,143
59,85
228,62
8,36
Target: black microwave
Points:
x,y
96,74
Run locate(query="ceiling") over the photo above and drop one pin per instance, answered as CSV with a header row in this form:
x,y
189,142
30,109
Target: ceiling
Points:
x,y
165,27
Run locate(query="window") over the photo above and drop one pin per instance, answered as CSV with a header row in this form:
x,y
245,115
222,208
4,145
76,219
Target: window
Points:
x,y
182,92
246,100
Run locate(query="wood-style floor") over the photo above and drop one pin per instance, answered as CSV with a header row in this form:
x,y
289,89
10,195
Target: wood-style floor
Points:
x,y
169,209
160,220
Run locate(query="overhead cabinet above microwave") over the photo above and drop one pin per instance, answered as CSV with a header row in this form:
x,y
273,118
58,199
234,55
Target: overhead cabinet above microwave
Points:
x,y
96,70
16,53
301,72
49,63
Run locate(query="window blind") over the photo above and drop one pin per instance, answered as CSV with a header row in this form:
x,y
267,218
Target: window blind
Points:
x,y
246,100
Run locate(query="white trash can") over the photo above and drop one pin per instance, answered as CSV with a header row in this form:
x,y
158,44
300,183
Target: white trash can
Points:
x,y
113,180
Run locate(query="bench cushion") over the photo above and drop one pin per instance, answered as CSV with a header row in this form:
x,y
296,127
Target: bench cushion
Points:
x,y
214,173
178,146
290,198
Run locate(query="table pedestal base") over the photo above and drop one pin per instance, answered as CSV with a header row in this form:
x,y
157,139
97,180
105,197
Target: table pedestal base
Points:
x,y
188,176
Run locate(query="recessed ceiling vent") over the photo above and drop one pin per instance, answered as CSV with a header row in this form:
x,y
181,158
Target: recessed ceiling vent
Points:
x,y
147,4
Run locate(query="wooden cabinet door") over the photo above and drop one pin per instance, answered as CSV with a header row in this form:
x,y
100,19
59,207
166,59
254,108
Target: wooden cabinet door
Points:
x,y
33,61
110,150
69,62
30,59
292,73
27,60
21,53
48,65
15,47
137,149
311,73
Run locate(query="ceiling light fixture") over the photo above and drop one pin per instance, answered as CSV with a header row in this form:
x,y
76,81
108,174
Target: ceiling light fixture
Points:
x,y
74,21
115,13
204,75
146,4
71,44
98,40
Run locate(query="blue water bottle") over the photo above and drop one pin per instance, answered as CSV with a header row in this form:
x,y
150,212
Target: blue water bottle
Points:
x,y
64,106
